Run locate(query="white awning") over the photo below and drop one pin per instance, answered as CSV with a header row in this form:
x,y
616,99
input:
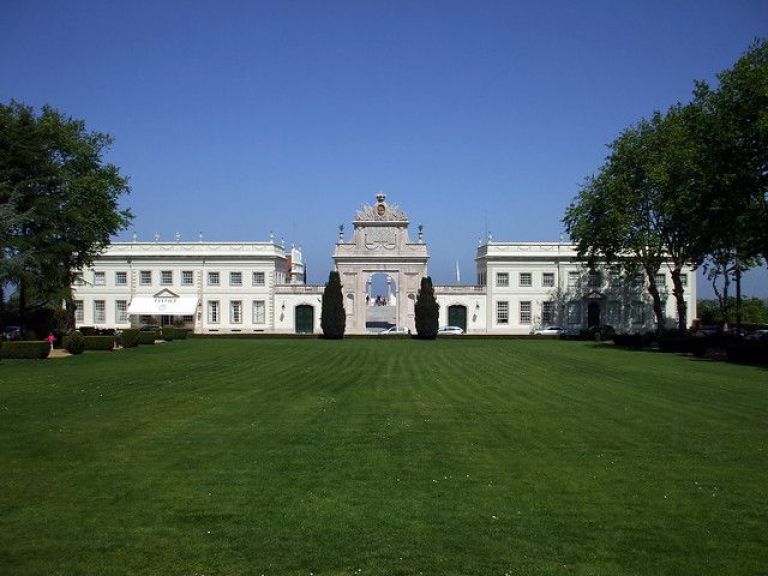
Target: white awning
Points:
x,y
180,306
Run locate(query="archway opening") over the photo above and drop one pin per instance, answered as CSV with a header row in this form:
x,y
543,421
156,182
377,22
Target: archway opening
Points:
x,y
381,302
593,314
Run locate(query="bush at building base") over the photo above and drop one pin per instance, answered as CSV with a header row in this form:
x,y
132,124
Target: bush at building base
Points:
x,y
148,336
129,338
25,350
99,342
74,343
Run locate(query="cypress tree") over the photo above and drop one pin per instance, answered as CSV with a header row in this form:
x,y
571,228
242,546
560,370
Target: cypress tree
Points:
x,y
427,311
333,318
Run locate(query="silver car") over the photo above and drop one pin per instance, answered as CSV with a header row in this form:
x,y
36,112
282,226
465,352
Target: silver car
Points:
x,y
549,331
394,331
450,331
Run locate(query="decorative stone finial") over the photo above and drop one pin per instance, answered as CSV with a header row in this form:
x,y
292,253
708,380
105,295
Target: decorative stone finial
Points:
x,y
177,236
135,236
380,197
200,236
157,236
421,232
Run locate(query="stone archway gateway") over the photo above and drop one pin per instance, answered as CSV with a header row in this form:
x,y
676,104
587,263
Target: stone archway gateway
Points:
x,y
380,244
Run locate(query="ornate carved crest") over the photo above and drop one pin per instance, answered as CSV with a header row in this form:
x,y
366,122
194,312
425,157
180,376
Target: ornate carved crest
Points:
x,y
380,212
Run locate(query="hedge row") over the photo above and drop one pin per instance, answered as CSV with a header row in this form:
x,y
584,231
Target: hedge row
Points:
x,y
130,338
25,350
169,333
148,336
99,342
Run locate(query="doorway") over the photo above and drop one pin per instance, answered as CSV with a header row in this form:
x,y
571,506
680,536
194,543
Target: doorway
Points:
x,y
457,316
305,319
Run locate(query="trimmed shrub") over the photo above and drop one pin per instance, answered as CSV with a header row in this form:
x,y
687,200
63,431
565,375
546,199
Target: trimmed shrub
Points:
x,y
169,333
148,336
633,340
74,342
752,352
130,338
427,311
99,342
25,350
333,318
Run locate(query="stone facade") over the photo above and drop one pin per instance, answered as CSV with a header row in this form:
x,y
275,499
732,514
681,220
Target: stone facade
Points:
x,y
259,286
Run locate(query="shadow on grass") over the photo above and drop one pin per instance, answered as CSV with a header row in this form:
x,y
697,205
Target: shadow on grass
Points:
x,y
719,356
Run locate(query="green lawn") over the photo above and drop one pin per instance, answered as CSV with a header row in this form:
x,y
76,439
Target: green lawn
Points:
x,y
378,456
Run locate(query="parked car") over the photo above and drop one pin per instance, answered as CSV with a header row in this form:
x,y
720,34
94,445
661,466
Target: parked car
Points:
x,y
13,333
394,331
450,331
758,336
549,331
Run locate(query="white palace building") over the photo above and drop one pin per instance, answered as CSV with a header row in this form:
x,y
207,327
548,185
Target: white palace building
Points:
x,y
250,287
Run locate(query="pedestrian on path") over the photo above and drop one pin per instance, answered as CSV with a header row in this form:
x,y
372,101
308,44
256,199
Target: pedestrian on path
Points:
x,y
51,339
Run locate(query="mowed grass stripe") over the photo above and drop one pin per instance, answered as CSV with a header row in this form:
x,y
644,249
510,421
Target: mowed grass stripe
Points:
x,y
393,457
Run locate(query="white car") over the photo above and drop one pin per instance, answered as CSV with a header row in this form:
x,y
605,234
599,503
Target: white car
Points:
x,y
394,331
549,331
450,331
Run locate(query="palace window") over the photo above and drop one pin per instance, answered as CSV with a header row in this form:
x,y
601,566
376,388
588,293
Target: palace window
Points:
x,y
684,280
213,278
573,279
502,279
235,278
638,312
78,280
547,313
145,319
145,277
121,311
259,312
525,279
638,280
166,277
258,279
79,311
121,278
213,311
574,312
502,312
661,280
548,279
594,280
99,279
615,277
99,312
525,312
187,278
236,312
612,312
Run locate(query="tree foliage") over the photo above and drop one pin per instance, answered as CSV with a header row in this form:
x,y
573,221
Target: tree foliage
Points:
x,y
333,317
427,311
686,186
59,201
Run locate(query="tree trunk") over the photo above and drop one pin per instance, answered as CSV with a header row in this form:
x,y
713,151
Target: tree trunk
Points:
x,y
654,292
69,304
23,304
679,291
738,297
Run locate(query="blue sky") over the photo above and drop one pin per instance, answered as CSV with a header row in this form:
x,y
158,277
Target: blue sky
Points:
x,y
237,118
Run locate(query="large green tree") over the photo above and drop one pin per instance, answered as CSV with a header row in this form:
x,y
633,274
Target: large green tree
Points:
x,y
427,311
333,318
59,201
613,218
734,130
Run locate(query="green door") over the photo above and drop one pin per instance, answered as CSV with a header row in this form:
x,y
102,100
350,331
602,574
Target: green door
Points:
x,y
305,319
457,316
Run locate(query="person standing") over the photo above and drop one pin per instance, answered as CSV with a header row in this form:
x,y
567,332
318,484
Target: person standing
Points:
x,y
51,339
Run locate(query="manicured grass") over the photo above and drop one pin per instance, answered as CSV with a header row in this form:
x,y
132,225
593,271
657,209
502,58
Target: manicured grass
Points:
x,y
223,457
